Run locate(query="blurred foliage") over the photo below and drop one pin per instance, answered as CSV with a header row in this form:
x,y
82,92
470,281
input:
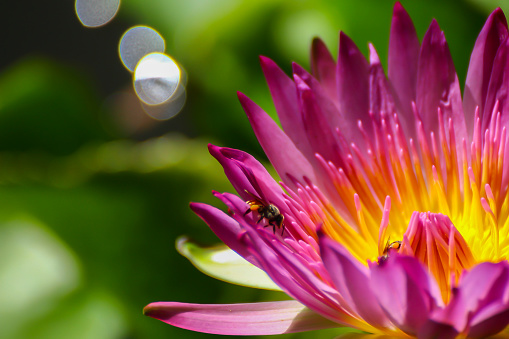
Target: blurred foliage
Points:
x,y
94,193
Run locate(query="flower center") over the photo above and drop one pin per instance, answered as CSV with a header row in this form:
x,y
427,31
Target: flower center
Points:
x,y
460,188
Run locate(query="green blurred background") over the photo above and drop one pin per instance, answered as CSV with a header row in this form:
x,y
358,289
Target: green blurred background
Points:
x,y
94,193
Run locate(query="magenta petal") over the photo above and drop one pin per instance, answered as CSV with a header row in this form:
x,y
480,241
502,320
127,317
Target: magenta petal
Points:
x,y
405,291
381,102
404,51
240,319
481,288
489,321
324,68
437,84
284,96
497,89
353,87
225,227
486,46
233,171
246,173
318,131
351,279
433,330
273,140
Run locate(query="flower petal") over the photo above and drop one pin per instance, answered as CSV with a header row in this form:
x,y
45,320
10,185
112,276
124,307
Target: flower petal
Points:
x,y
497,89
353,94
479,288
284,96
438,85
281,151
247,173
323,67
404,51
351,279
381,102
406,292
434,330
491,320
318,131
222,263
480,68
225,227
240,319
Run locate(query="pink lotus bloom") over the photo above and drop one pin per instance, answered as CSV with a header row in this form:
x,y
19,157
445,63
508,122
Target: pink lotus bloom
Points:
x,y
394,194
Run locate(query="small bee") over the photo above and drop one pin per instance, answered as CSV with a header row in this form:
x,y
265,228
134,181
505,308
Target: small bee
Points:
x,y
395,245
266,211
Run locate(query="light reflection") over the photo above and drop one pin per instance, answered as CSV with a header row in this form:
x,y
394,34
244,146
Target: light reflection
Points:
x,y
169,108
95,13
136,43
160,85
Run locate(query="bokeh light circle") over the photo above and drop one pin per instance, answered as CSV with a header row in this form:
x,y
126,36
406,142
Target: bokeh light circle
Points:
x,y
136,43
169,108
156,78
95,13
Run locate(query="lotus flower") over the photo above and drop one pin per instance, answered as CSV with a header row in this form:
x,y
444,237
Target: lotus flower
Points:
x,y
394,194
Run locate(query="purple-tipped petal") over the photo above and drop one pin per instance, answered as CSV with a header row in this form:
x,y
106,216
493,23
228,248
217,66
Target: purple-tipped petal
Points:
x,y
478,294
233,172
351,279
498,89
326,107
437,84
480,68
225,227
246,173
285,99
240,319
433,330
404,49
405,291
323,67
490,321
353,86
380,94
318,131
280,150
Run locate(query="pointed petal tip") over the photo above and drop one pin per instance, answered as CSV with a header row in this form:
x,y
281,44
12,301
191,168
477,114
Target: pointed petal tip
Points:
x,y
266,63
316,42
398,7
151,310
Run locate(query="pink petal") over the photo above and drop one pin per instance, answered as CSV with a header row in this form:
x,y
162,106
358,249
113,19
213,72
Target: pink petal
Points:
x,y
225,227
280,150
318,130
437,84
404,49
486,46
433,330
480,288
239,319
351,279
405,291
490,321
497,89
246,173
328,107
353,87
285,99
381,102
234,173
324,68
